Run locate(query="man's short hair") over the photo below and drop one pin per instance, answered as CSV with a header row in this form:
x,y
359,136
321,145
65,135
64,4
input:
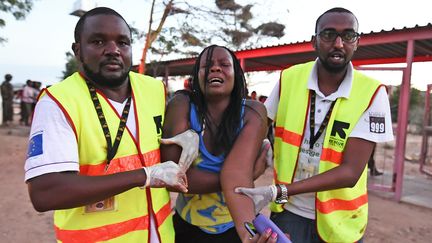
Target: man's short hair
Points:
x,y
8,77
96,11
333,10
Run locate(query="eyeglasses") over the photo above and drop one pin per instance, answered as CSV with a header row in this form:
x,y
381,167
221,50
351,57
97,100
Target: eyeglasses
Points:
x,y
348,36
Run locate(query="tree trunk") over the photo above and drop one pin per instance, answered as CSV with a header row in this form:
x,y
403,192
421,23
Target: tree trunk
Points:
x,y
152,35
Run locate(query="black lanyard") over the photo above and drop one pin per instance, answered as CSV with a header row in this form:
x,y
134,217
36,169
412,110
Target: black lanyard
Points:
x,y
313,138
111,148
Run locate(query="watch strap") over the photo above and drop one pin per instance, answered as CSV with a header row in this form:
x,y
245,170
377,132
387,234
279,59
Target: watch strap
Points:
x,y
283,198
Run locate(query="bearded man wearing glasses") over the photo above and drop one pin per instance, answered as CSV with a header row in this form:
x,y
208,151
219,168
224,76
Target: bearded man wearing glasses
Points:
x,y
328,119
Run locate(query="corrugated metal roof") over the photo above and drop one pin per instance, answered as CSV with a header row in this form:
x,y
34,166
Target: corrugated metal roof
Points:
x,y
385,46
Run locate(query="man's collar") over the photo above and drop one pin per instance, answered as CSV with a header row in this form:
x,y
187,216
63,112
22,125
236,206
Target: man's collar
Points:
x,y
344,89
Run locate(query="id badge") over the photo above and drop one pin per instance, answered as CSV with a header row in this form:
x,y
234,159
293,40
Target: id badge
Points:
x,y
101,206
305,170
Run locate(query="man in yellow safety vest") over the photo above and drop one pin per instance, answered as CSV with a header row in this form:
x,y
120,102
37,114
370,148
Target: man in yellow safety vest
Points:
x,y
328,119
94,152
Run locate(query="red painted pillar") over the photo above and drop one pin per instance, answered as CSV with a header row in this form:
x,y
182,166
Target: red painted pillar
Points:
x,y
426,131
242,64
401,130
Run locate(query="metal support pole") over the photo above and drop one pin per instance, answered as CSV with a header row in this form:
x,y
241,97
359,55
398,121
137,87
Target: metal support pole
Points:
x,y
427,131
165,79
401,130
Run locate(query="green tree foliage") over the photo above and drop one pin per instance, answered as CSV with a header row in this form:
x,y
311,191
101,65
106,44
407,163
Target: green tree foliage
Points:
x,y
416,105
71,65
194,26
177,28
238,27
17,8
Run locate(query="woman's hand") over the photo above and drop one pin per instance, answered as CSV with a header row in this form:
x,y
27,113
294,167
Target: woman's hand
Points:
x,y
267,237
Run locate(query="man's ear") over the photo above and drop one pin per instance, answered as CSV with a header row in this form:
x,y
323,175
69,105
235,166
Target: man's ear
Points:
x,y
76,49
357,44
314,42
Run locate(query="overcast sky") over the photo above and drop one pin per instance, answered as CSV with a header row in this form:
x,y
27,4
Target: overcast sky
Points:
x,y
36,47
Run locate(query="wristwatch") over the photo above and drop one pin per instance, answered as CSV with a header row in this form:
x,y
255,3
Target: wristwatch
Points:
x,y
284,194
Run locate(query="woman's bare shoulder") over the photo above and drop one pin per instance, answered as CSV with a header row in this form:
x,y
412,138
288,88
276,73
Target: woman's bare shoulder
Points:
x,y
255,110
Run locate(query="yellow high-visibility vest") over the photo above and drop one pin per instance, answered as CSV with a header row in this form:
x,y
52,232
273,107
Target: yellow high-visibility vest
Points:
x,y
341,214
130,220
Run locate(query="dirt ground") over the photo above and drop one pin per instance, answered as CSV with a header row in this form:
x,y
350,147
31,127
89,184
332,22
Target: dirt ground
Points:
x,y
389,221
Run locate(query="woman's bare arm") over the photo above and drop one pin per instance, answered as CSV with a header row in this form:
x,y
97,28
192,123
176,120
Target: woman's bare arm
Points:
x,y
239,165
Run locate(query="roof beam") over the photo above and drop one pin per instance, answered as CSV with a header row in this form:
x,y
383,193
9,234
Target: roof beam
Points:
x,y
403,35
